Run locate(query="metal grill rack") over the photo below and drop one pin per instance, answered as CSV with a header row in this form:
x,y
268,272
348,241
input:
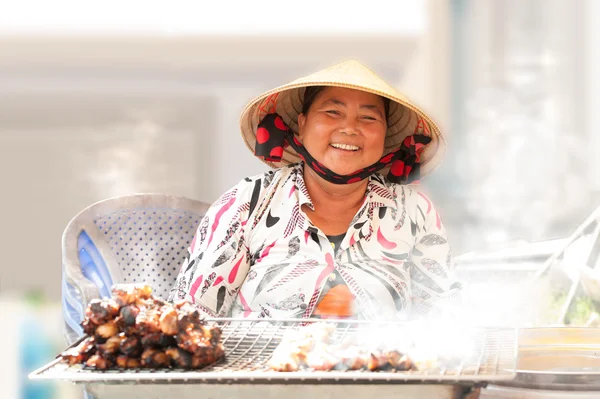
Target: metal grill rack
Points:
x,y
249,344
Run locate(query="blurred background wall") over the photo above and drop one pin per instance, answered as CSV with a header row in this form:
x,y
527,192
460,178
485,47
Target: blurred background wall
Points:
x,y
86,117
117,98
119,101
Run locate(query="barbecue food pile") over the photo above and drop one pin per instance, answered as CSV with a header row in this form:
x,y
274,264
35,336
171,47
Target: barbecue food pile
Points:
x,y
312,347
135,330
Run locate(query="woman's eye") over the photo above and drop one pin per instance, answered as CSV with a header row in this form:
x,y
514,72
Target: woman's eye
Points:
x,y
332,112
370,118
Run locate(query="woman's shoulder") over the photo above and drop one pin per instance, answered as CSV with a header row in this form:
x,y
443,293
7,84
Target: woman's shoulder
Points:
x,y
413,194
260,183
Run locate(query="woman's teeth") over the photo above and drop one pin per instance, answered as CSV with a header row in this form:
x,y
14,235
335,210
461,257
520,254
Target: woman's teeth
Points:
x,y
346,147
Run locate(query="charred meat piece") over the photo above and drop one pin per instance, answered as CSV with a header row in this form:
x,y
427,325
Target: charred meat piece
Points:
x,y
128,330
154,358
399,361
199,362
100,340
389,360
126,295
180,358
111,346
148,321
183,359
215,335
131,346
89,328
188,316
377,361
129,314
168,321
107,330
211,357
100,311
81,353
198,341
158,340
100,363
126,362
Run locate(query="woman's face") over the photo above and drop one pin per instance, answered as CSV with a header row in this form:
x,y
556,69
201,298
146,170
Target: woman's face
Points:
x,y
344,129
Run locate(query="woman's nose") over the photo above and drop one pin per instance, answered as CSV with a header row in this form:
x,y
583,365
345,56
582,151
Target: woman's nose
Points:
x,y
350,127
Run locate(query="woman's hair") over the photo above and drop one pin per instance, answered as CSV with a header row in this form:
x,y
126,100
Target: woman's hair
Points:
x,y
311,93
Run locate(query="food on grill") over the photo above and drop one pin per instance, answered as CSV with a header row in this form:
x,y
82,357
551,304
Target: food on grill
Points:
x,y
157,340
126,362
99,311
155,358
107,330
199,340
168,322
81,352
128,315
131,346
312,347
128,294
111,346
133,329
99,362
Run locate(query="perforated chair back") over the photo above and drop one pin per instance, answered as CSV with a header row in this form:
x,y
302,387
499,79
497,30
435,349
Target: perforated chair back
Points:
x,y
140,238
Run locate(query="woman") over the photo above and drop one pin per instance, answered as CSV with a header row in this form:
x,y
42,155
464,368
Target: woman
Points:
x,y
335,230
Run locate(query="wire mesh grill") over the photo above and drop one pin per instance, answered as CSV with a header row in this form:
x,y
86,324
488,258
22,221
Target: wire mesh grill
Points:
x,y
491,355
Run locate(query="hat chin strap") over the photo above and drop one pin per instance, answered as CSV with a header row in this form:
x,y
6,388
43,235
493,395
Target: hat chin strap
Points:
x,y
273,135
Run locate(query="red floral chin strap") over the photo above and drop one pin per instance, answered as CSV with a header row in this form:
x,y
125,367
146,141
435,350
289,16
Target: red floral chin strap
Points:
x,y
273,135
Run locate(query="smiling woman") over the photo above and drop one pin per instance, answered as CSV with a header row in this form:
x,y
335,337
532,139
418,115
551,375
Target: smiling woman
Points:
x,y
344,129
325,234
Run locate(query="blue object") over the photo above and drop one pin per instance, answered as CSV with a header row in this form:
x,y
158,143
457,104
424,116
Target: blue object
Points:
x,y
93,266
94,269
72,307
35,349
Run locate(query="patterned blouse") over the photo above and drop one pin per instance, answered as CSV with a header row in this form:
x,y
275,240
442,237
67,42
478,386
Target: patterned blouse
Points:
x,y
256,253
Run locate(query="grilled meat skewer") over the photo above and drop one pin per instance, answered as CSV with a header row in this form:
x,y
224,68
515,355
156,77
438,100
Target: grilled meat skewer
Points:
x,y
126,362
158,340
131,346
112,345
126,295
107,330
133,329
168,322
100,311
100,363
154,358
81,353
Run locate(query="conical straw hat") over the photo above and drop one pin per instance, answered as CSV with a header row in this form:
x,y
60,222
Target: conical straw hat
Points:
x,y
404,117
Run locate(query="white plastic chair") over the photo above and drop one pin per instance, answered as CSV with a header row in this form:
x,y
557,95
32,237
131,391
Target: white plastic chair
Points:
x,y
140,238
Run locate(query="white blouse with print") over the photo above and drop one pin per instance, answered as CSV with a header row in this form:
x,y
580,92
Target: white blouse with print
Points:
x,y
256,253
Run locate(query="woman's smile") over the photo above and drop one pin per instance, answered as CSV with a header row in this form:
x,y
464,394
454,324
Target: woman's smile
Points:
x,y
345,150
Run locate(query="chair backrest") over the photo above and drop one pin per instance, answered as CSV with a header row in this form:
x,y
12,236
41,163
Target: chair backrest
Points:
x,y
140,238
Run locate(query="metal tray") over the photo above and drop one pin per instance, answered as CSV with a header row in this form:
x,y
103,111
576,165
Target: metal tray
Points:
x,y
558,358
249,344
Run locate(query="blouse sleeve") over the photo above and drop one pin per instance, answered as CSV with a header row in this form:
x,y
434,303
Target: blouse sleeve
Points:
x,y
433,284
217,264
